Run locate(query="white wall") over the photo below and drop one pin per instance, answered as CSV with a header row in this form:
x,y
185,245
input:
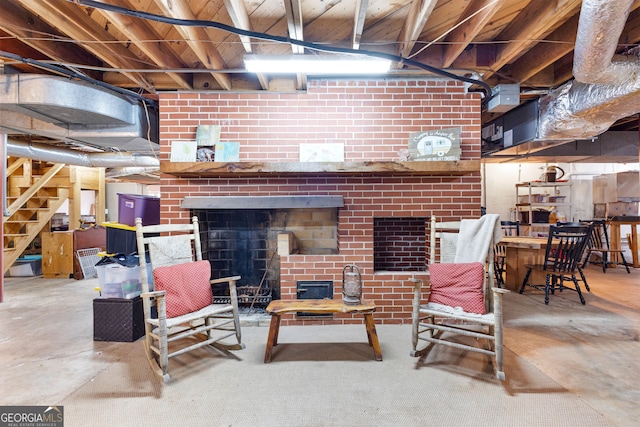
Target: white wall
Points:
x,y
499,184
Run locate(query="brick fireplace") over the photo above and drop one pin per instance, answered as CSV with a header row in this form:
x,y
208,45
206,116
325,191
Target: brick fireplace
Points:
x,y
373,120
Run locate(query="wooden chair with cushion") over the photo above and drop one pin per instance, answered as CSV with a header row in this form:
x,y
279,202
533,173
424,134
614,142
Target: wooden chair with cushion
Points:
x,y
460,298
563,255
179,312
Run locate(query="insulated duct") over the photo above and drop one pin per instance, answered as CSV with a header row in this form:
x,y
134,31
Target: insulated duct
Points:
x,y
47,153
76,112
606,86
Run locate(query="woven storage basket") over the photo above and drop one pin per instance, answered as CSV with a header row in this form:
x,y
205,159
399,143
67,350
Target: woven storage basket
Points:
x,y
117,319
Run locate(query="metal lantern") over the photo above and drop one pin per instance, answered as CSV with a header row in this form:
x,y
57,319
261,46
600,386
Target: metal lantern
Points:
x,y
351,285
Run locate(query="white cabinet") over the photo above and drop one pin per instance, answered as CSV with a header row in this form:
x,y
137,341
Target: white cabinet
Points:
x,y
536,200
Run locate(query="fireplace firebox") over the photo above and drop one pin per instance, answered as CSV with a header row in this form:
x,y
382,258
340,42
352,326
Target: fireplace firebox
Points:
x,y
244,242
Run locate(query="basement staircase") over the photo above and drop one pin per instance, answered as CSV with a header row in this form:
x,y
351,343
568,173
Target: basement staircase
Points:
x,y
35,192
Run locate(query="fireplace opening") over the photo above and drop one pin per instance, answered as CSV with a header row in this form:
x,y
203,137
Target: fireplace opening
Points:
x,y
399,244
244,242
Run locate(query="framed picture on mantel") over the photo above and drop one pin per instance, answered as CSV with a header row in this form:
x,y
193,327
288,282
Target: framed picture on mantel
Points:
x,y
227,151
435,145
183,151
322,152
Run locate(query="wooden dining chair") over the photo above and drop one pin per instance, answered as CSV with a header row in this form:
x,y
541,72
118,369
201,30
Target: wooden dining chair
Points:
x,y
599,242
563,255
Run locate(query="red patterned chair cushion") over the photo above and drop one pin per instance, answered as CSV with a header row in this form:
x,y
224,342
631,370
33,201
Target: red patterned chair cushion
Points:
x,y
187,286
458,285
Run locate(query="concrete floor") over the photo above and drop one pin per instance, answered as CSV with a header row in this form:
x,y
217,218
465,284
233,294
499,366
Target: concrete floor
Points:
x,y
47,350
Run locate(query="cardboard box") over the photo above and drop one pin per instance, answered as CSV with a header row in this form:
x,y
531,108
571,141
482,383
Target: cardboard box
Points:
x,y
622,209
616,187
132,206
118,319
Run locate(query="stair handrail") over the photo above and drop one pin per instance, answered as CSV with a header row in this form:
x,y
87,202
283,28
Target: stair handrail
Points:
x,y
41,182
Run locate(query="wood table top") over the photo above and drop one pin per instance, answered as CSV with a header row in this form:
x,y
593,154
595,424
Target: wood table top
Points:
x,y
524,242
319,306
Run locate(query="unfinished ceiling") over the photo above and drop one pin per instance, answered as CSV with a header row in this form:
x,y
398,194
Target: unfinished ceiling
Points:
x,y
139,46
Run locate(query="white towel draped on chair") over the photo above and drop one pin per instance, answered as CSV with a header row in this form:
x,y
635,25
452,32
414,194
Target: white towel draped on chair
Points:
x,y
475,236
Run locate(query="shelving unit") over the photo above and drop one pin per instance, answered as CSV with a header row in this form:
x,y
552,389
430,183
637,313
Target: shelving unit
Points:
x,y
537,201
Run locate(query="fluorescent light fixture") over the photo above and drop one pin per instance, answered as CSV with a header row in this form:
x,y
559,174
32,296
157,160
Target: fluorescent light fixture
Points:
x,y
316,64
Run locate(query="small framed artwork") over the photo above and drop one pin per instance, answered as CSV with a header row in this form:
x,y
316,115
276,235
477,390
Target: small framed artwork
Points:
x,y
323,152
183,151
227,151
435,145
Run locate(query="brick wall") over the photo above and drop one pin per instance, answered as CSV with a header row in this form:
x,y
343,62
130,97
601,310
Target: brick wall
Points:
x,y
373,120
399,244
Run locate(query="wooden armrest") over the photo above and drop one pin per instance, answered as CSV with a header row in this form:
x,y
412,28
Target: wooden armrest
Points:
x,y
152,294
226,279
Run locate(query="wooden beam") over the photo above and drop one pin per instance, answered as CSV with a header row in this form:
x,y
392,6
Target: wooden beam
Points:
x,y
261,202
160,81
196,38
558,44
533,23
28,30
238,14
203,169
472,21
147,39
293,12
418,16
73,21
358,22
240,18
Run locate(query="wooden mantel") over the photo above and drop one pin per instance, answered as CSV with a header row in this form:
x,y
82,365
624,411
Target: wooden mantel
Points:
x,y
261,202
214,169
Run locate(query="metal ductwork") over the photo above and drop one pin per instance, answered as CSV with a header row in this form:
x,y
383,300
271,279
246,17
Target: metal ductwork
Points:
x,y
606,86
48,153
76,112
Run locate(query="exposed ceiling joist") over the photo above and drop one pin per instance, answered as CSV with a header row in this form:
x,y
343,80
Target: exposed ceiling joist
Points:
x,y
196,38
471,22
295,24
358,22
418,16
78,26
528,42
146,38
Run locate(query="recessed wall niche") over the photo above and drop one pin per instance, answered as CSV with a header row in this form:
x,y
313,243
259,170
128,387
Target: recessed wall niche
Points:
x,y
399,244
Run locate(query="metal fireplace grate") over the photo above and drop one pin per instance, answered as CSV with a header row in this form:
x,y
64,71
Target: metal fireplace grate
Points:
x,y
247,295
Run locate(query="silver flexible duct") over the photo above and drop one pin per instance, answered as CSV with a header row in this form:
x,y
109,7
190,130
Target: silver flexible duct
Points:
x,y
48,153
601,23
605,89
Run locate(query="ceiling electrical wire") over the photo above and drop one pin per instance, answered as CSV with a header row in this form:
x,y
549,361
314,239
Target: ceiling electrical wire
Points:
x,y
279,39
454,27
